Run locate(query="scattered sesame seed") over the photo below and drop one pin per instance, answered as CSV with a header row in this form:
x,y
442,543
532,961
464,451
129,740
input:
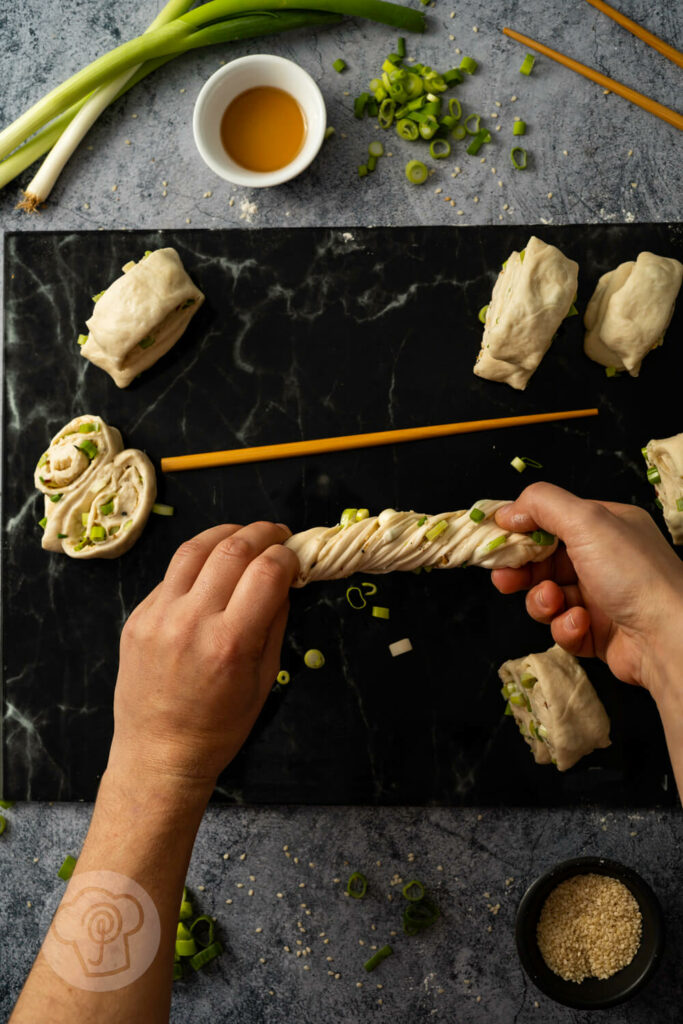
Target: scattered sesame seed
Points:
x,y
373,927
493,170
181,90
296,860
565,153
302,885
630,153
506,206
438,191
476,199
347,93
133,116
439,867
250,893
500,185
226,856
498,127
29,904
258,931
500,216
379,1002
231,202
494,114
478,999
447,199
474,28
497,103
86,206
452,38
228,901
287,949
114,188
634,184
359,984
278,895
243,856
307,967
261,959
329,959
457,170
207,195
458,50
460,213
361,942
606,92
452,14
36,859
201,888
326,942
550,195
337,976
188,220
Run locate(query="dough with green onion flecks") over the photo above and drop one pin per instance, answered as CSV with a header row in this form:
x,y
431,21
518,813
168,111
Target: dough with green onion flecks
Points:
x,y
630,310
97,496
555,706
667,456
394,541
532,296
141,316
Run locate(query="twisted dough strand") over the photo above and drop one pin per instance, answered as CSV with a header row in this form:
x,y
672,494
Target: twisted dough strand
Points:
x,y
397,541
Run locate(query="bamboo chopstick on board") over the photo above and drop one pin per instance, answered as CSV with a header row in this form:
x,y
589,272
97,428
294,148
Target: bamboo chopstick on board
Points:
x,y
637,30
292,449
652,106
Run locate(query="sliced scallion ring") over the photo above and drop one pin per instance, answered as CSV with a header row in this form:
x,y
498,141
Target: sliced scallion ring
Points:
x,y
67,868
496,542
472,124
376,148
653,475
416,172
439,149
519,128
469,65
357,885
542,537
482,314
314,658
369,588
459,132
519,165
205,956
436,530
407,129
356,602
283,677
476,515
455,108
413,891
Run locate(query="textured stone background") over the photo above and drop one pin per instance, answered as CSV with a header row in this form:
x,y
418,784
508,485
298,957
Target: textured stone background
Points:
x,y
461,972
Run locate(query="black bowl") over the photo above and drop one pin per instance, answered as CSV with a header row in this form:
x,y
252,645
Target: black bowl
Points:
x,y
592,993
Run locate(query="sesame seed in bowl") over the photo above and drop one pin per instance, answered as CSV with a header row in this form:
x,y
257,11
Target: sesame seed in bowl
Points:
x,y
590,933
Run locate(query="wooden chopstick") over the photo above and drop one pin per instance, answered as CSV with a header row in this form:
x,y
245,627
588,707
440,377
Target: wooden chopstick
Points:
x,y
336,444
652,107
642,33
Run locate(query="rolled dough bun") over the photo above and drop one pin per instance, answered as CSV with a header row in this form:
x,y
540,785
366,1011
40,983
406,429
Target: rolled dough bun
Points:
x,y
667,457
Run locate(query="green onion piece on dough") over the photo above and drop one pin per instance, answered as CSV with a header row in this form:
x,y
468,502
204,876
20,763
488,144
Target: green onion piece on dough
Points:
x,y
439,149
87,428
107,508
518,464
643,452
527,680
527,64
84,518
67,868
357,603
379,612
89,448
81,339
679,504
339,64
96,298
542,537
519,165
357,885
519,128
469,65
98,533
205,956
573,311
416,172
496,542
658,503
414,891
314,658
376,960
55,497
476,515
163,510
42,523
482,314
283,677
508,710
542,732
653,475
422,520
146,342
436,530
348,516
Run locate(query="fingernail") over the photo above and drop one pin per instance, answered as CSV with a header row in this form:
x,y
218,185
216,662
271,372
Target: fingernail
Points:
x,y
540,598
572,622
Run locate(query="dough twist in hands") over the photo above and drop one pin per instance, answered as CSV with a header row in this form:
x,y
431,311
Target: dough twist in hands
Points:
x,y
395,541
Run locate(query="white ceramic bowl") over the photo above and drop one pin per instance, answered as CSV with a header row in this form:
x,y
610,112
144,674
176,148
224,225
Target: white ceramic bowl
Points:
x,y
248,73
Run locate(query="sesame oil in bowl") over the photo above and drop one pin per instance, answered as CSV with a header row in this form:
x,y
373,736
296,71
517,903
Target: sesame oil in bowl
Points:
x,y
263,129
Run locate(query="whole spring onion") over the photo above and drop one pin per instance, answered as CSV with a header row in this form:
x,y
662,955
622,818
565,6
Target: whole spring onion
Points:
x,y
74,105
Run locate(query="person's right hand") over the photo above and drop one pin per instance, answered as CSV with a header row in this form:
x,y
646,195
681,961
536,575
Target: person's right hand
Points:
x,y
613,589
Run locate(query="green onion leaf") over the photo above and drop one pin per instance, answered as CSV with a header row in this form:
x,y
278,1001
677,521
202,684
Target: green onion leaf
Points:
x,y
283,677
348,516
205,956
107,508
314,658
67,868
372,163
357,885
186,910
496,542
88,447
376,960
163,510
416,172
543,538
339,64
401,47
519,165
386,113
414,891
350,597
519,128
527,64
476,515
379,612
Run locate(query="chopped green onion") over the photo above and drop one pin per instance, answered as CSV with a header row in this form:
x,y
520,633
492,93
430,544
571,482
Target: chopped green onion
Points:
x,y
439,149
401,47
643,452
146,342
81,339
377,958
42,460
658,503
362,170
653,475
420,915
517,699
521,165
527,680
416,172
357,885
6,804
386,113
543,538
329,131
379,612
369,588
62,536
355,590
87,428
428,127
163,510
42,523
476,118
611,371
436,530
422,520
679,504
453,77
406,129
113,530
518,464
527,64
89,448
519,128
361,514
81,544
283,677
359,105
204,956
314,658
187,303
339,64
508,710
107,508
348,516
177,971
573,311
478,141
203,940
496,543
459,132
186,910
372,163
476,515
376,148
96,298
67,868
414,891
98,533
185,947
455,108
469,65
85,516
542,732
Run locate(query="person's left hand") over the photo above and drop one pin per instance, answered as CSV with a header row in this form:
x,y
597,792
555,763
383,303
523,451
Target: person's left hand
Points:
x,y
199,655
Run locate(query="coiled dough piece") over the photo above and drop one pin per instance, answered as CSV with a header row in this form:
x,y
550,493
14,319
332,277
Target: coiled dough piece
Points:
x,y
630,310
532,296
393,541
667,456
555,706
141,316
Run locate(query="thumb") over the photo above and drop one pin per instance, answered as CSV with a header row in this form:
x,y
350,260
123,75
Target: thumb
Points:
x,y
547,507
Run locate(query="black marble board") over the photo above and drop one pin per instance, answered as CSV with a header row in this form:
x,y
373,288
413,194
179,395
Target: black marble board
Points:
x,y
307,333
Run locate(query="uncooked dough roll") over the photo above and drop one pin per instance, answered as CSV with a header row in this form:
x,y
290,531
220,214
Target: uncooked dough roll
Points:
x,y
558,712
630,310
141,315
408,540
74,454
104,517
666,458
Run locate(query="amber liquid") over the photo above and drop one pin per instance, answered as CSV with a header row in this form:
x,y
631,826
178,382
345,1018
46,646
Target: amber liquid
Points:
x,y
263,129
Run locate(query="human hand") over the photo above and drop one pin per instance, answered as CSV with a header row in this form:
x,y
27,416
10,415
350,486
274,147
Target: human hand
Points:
x,y
200,654
614,589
